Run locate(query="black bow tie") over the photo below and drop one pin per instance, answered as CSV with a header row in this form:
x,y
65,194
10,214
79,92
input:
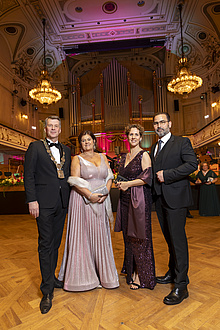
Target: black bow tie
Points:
x,y
54,145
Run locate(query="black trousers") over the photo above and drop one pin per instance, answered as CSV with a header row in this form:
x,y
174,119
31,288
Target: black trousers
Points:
x,y
50,229
172,222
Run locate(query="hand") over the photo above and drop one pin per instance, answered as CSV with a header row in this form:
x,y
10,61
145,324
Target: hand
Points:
x,y
208,183
102,198
122,185
160,177
34,209
198,181
95,198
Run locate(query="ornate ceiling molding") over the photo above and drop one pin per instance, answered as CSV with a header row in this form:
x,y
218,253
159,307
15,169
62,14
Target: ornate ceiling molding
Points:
x,y
212,12
13,39
6,6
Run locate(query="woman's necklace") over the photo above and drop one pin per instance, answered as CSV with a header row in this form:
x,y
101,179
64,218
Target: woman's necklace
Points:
x,y
204,172
130,157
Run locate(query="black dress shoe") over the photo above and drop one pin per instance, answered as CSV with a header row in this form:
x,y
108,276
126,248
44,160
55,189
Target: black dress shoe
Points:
x,y
167,278
46,303
176,296
58,284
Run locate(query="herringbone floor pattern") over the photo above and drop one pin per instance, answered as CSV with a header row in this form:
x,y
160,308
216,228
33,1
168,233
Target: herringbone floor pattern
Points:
x,y
109,309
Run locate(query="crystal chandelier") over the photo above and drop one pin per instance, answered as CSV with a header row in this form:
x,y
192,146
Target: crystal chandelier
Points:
x,y
44,92
185,82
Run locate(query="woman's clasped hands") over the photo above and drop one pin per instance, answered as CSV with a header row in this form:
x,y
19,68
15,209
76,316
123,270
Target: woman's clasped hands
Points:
x,y
97,198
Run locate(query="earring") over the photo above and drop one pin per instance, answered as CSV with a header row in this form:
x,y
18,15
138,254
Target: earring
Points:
x,y
81,150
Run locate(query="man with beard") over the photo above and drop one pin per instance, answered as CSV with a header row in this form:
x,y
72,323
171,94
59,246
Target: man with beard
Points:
x,y
173,159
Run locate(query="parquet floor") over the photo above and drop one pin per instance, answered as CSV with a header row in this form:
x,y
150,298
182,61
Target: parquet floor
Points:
x,y
109,309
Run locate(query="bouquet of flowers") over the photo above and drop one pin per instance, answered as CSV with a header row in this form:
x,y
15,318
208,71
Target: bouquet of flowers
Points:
x,y
13,180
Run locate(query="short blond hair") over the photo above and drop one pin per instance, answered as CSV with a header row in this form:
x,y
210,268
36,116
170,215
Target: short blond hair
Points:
x,y
53,118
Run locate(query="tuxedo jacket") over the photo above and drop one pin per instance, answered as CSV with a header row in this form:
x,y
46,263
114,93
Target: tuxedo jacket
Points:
x,y
177,160
40,176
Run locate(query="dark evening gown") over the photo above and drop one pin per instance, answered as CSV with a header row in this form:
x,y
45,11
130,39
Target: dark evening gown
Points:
x,y
138,252
208,198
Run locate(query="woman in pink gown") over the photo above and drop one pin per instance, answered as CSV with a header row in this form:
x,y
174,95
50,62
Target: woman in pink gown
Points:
x,y
88,260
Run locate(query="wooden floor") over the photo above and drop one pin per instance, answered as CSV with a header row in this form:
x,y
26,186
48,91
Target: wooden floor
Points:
x,y
121,308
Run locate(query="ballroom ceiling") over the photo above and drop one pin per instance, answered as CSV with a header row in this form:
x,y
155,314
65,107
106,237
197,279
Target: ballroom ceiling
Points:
x,y
81,26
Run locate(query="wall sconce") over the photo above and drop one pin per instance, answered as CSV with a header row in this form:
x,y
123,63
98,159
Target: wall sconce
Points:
x,y
33,127
24,116
214,104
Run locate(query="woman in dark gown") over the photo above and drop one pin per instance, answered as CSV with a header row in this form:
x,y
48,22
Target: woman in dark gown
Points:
x,y
208,199
134,212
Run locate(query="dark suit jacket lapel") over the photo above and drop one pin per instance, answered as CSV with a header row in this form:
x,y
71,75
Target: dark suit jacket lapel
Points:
x,y
152,152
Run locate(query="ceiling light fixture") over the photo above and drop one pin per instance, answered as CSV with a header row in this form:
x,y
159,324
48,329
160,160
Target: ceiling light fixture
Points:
x,y
44,92
185,82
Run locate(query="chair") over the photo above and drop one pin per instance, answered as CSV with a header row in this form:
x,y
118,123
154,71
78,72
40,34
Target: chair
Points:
x,y
7,174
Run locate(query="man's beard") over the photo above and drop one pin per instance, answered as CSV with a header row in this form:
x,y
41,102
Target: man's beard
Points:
x,y
162,132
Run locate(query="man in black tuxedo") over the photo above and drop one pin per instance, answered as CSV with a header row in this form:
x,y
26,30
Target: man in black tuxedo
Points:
x,y
46,170
173,159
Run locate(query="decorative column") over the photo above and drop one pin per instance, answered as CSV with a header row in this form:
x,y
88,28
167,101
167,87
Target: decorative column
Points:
x,y
140,98
93,114
78,104
102,104
155,91
72,105
129,96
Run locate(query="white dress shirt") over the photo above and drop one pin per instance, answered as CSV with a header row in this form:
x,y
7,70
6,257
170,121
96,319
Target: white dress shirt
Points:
x,y
55,151
164,140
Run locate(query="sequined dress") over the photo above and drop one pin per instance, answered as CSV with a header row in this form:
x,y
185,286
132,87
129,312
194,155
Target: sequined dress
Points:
x,y
138,252
88,256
